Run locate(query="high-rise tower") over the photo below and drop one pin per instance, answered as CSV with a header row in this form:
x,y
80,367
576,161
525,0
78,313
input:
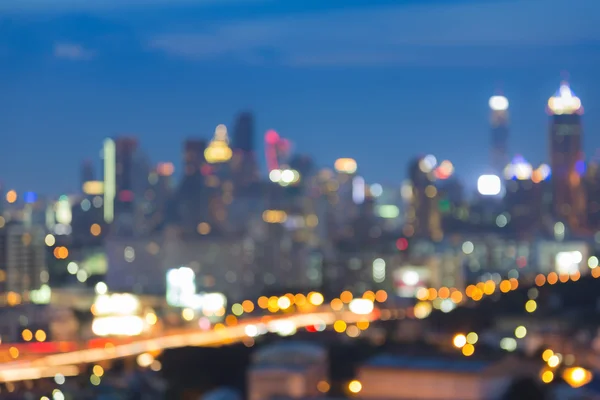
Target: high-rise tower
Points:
x,y
566,156
243,163
125,179
499,144
87,172
423,219
243,132
125,175
193,153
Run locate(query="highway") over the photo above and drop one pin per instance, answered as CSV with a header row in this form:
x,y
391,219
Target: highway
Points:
x,y
37,366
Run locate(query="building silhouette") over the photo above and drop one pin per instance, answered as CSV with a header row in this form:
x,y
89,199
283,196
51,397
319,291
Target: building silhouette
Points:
x,y
566,156
499,134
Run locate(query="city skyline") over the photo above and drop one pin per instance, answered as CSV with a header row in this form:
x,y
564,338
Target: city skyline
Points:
x,y
86,74
299,199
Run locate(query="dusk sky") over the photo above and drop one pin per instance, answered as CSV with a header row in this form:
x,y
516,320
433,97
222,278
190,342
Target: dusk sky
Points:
x,y
377,80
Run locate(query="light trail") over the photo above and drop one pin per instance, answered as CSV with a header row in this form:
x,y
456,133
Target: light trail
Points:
x,y
50,365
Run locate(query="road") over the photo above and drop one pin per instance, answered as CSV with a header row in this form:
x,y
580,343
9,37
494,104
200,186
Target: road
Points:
x,y
37,366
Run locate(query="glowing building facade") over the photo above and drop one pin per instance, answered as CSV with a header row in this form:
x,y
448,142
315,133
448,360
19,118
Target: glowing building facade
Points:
x,y
218,150
110,186
566,156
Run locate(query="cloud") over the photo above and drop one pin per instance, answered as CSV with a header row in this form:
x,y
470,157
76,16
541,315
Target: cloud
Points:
x,y
475,33
73,52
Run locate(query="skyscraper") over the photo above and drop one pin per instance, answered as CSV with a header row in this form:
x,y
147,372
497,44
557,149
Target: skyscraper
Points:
x,y
566,156
193,153
243,132
243,163
423,219
499,143
125,176
22,258
125,180
87,172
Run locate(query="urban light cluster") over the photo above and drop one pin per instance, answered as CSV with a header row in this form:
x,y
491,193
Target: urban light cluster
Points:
x,y
274,216
466,343
488,288
123,314
345,165
575,376
521,170
218,151
565,101
284,177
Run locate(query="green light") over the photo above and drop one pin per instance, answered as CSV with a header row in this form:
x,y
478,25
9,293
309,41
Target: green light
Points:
x,y
110,184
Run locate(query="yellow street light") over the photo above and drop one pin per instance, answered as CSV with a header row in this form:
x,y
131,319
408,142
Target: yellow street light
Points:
x,y
354,386
459,341
577,376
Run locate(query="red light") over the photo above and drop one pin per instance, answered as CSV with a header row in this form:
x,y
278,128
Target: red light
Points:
x,y
126,196
402,244
376,314
271,137
441,174
311,328
50,347
521,262
206,170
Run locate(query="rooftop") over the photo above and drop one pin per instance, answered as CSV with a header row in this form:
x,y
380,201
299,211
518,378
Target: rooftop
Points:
x,y
291,353
564,101
429,363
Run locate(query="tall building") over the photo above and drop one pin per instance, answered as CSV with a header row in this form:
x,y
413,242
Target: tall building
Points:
x,y
158,195
423,219
524,199
343,197
566,156
22,258
126,174
193,153
243,132
499,144
87,172
190,199
387,206
592,190
243,163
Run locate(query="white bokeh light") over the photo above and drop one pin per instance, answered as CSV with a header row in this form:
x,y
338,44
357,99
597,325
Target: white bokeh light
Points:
x,y
498,103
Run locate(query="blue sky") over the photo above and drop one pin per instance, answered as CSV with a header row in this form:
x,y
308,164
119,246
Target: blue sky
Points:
x,y
379,80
